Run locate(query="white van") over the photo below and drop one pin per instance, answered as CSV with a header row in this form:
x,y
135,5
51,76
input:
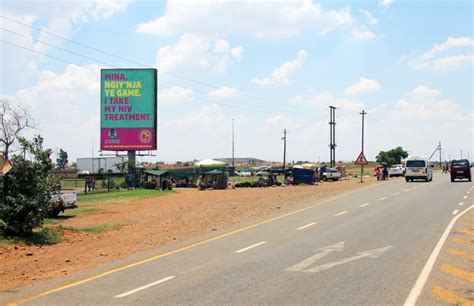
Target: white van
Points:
x,y
418,168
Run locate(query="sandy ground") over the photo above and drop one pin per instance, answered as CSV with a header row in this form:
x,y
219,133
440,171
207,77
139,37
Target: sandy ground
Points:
x,y
153,222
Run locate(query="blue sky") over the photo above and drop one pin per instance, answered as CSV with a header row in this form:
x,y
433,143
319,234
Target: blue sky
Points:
x,y
268,65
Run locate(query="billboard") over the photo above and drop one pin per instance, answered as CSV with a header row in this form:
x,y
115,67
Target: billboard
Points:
x,y
128,109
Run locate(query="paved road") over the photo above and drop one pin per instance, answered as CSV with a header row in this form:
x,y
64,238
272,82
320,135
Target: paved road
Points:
x,y
368,247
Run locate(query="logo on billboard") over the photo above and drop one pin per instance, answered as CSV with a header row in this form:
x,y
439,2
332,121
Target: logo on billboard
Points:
x,y
144,136
112,134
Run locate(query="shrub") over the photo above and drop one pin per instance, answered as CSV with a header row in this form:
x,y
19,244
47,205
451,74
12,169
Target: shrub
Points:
x,y
28,192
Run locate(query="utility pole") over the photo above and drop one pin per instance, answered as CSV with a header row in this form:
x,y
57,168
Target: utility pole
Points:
x,y
233,158
332,136
461,153
440,155
362,166
284,151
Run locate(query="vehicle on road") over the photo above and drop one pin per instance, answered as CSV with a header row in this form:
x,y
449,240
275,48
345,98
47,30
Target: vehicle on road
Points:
x,y
460,169
418,168
65,199
396,170
331,174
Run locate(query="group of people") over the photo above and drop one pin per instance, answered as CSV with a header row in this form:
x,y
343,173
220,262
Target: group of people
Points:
x,y
381,172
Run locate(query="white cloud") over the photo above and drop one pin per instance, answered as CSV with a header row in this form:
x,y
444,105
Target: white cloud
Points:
x,y
174,95
370,17
364,85
362,33
386,3
437,59
257,18
280,75
424,103
66,107
194,52
224,92
325,99
423,91
60,18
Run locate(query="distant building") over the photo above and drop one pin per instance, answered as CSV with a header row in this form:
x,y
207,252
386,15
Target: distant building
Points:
x,y
243,161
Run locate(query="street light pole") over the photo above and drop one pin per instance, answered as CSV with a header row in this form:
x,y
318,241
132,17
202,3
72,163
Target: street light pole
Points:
x,y
362,166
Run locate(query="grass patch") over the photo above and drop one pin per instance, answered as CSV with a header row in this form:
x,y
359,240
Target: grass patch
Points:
x,y
101,228
119,195
43,236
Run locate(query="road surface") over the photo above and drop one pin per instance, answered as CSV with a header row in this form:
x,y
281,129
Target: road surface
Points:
x,y
366,247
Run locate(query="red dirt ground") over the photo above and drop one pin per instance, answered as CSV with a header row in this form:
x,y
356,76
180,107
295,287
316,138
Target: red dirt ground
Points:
x,y
152,222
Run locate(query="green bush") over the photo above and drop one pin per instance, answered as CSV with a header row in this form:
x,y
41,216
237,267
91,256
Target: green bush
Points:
x,y
28,190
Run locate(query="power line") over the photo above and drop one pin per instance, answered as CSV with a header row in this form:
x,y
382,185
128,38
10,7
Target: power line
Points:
x,y
165,82
114,66
120,57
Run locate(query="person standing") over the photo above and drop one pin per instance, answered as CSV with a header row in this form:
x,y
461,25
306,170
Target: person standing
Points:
x,y
377,173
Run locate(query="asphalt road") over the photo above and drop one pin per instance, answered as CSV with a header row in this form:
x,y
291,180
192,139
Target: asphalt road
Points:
x,y
367,247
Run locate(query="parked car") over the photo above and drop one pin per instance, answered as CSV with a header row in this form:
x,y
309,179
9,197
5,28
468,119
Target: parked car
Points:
x,y
460,169
396,170
66,199
331,174
418,168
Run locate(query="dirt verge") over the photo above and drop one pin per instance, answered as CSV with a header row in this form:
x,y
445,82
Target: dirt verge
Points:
x,y
149,223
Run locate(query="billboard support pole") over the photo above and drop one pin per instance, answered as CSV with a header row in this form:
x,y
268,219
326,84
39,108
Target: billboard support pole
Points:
x,y
132,167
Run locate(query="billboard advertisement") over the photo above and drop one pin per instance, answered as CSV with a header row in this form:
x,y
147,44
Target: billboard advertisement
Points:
x,y
128,109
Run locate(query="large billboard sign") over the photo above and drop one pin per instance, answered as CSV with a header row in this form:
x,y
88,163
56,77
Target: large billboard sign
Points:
x,y
128,109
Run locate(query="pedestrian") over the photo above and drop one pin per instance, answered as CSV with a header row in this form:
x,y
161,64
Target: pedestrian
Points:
x,y
385,172
377,173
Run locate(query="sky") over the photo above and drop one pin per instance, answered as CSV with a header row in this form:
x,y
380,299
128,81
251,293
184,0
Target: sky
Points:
x,y
269,66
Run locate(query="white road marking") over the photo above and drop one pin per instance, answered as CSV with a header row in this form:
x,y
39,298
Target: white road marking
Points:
x,y
468,192
396,193
423,277
341,213
306,226
455,211
250,247
382,198
461,203
406,190
365,204
465,197
369,253
144,287
338,247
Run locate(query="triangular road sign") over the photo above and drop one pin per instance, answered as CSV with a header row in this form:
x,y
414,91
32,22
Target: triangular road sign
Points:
x,y
361,160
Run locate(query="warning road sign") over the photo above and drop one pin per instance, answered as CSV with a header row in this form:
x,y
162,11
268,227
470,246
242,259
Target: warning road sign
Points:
x,y
361,160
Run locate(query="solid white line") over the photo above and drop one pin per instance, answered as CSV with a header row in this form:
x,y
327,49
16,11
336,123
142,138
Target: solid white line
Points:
x,y
455,211
423,277
396,193
341,213
364,205
382,198
144,287
461,203
306,226
250,247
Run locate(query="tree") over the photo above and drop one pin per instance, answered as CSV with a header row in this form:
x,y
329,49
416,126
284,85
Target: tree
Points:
x,y
62,160
28,200
13,120
393,156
